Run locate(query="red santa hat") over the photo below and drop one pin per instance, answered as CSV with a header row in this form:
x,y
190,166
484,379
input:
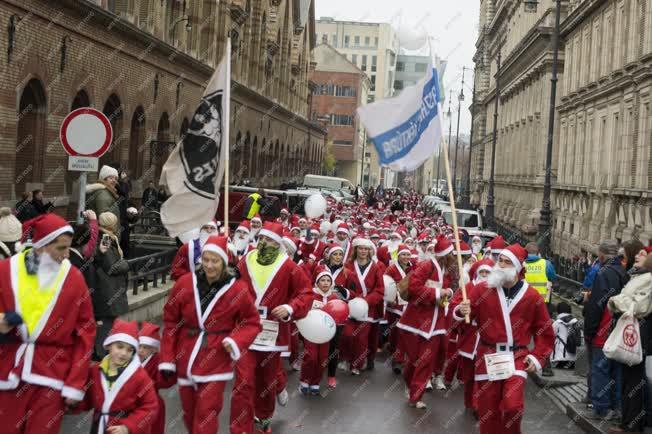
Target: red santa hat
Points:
x,y
332,248
272,230
257,217
321,271
291,242
443,246
217,244
244,226
362,242
423,238
330,235
123,331
374,234
315,229
402,248
465,249
150,334
213,223
517,254
485,264
45,228
343,227
285,210
497,244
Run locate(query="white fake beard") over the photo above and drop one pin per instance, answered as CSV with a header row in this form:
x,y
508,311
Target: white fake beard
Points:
x,y
476,248
203,236
47,270
500,276
480,279
253,232
240,243
392,245
466,267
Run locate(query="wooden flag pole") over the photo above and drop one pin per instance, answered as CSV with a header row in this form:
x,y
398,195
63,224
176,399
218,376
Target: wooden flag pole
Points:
x,y
226,136
455,231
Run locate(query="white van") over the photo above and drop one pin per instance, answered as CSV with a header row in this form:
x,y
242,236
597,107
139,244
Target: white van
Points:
x,y
469,220
327,183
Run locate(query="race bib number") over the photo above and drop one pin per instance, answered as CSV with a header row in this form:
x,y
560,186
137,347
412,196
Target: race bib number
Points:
x,y
317,304
500,366
267,337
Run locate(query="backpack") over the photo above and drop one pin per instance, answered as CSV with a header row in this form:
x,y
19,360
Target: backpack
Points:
x,y
573,339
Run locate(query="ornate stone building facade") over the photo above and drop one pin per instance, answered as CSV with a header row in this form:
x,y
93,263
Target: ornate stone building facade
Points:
x,y
601,141
145,64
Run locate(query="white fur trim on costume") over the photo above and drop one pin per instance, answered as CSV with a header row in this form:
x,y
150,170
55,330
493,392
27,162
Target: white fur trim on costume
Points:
x,y
120,337
444,252
216,249
404,251
322,274
517,264
53,236
167,367
362,242
72,393
271,235
456,315
483,268
289,309
534,361
146,340
235,354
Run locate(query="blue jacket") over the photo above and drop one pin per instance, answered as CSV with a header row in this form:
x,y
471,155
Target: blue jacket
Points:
x,y
550,269
590,275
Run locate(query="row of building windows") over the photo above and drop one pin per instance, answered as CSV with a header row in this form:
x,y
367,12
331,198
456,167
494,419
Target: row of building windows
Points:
x,y
333,119
418,67
363,65
334,90
358,41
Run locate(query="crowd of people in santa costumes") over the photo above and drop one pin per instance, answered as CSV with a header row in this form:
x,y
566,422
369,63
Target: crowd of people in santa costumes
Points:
x,y
238,303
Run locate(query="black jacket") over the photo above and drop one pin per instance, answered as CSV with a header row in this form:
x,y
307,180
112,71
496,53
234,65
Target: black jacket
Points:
x,y
25,211
111,284
40,207
150,198
608,282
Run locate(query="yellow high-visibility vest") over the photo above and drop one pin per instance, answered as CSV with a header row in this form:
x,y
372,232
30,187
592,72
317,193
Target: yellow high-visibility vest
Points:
x,y
260,274
255,206
535,275
32,299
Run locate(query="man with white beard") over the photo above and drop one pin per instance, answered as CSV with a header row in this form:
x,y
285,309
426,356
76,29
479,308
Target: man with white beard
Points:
x,y
189,254
256,224
509,314
241,239
342,238
388,253
422,247
476,246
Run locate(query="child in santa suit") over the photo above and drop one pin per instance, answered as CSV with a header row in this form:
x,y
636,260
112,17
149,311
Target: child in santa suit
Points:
x,y
149,340
315,357
394,309
510,315
210,319
119,390
468,338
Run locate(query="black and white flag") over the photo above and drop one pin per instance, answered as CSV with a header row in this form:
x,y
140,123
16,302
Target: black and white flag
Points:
x,y
193,172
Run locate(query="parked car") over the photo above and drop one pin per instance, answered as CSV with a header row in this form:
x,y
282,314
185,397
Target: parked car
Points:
x,y
327,182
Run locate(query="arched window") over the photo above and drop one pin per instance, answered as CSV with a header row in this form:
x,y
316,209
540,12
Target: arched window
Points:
x,y
164,144
235,155
246,155
113,110
255,155
136,144
30,144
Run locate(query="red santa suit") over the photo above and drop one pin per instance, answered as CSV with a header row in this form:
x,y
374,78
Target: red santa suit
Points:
x,y
46,359
131,400
360,338
394,310
193,338
284,284
507,325
424,321
315,356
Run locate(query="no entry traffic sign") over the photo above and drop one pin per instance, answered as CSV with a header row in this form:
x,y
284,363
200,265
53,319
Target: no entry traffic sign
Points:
x,y
86,132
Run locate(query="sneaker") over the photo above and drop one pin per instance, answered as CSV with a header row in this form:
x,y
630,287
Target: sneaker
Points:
x,y
370,365
355,372
396,367
314,390
332,382
296,366
419,404
429,385
304,389
343,366
283,398
265,426
439,383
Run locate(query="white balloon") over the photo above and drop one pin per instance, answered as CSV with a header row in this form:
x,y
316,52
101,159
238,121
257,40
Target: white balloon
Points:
x,y
317,327
412,39
358,309
190,235
390,289
315,205
324,227
334,225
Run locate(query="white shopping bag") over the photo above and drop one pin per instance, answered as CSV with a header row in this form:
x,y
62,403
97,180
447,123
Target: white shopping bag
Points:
x,y
624,342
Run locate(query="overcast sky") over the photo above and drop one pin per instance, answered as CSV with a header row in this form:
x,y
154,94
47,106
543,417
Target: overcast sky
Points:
x,y
453,24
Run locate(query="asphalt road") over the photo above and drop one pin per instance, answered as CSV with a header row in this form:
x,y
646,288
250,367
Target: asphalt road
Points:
x,y
370,403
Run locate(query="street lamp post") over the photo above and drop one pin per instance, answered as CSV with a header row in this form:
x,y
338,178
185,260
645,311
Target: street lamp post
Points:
x,y
490,196
457,133
545,221
180,20
466,197
450,129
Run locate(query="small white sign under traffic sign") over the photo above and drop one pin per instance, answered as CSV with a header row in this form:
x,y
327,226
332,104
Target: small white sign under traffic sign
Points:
x,y
85,134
